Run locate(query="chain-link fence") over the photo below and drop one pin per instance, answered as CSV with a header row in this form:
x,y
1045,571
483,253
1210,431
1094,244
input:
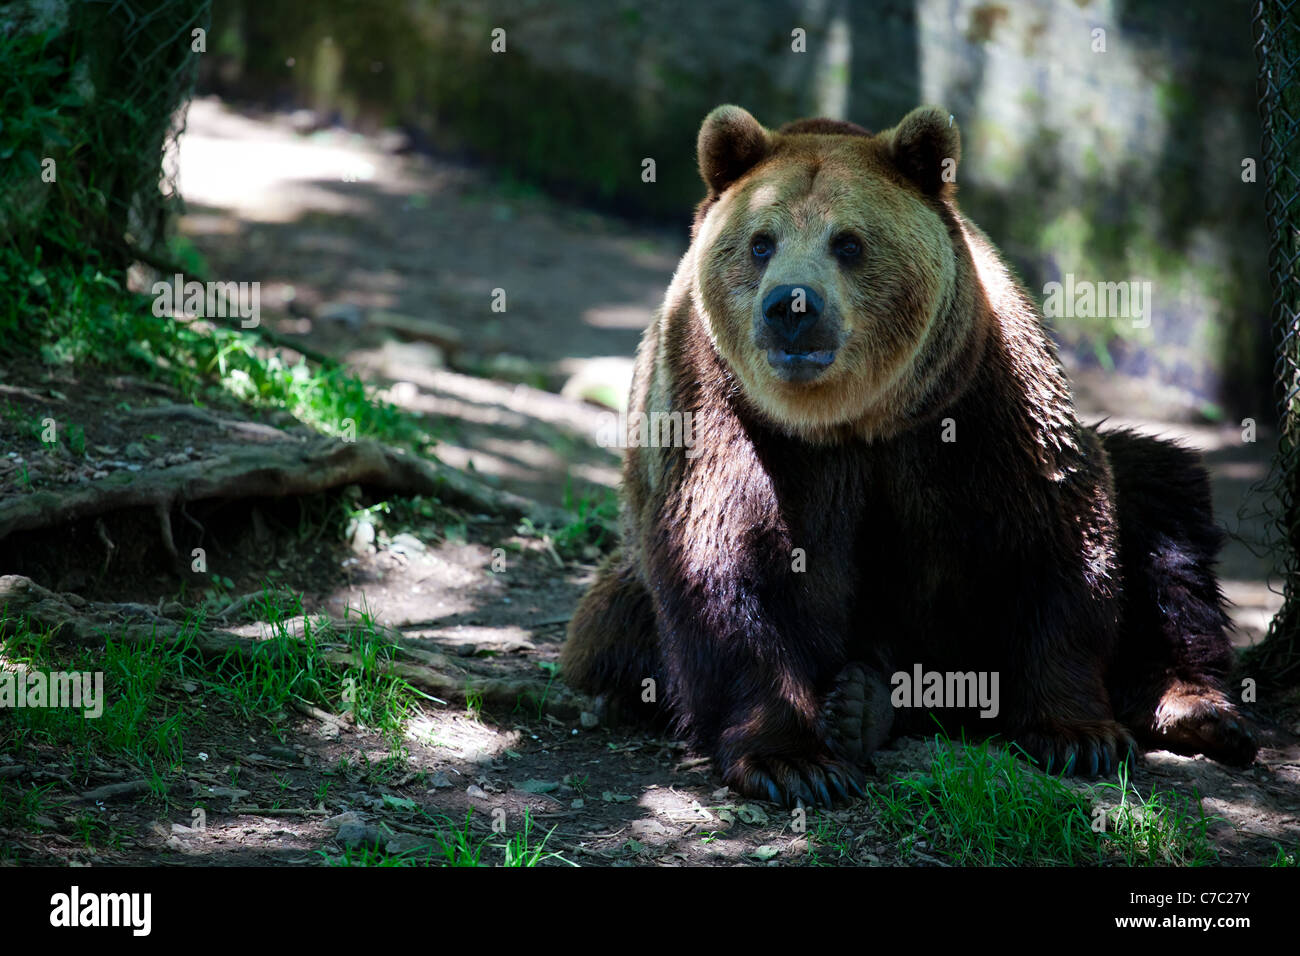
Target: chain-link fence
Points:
x,y
1277,48
152,70
91,95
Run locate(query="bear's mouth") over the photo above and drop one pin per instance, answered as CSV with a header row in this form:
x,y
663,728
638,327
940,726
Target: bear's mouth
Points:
x,y
800,366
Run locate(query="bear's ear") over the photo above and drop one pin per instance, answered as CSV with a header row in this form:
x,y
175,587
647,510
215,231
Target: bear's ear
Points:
x,y
731,143
926,147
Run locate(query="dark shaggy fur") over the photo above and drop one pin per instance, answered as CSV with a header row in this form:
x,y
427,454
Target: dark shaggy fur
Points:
x,y
1078,566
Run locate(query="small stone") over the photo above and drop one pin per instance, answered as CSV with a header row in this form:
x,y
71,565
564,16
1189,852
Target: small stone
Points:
x,y
363,537
588,720
357,835
344,312
408,842
407,544
136,450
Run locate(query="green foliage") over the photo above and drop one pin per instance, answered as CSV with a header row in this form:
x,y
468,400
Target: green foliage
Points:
x,y
87,108
979,805
142,722
81,317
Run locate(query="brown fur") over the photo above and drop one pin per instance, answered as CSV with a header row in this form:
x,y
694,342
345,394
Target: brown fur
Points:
x,y
1000,551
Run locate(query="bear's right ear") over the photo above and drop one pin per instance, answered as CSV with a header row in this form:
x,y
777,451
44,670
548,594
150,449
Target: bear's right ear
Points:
x,y
926,148
731,143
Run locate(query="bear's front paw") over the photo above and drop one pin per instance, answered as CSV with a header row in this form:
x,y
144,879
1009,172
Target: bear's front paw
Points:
x,y
1195,719
1079,748
857,716
817,781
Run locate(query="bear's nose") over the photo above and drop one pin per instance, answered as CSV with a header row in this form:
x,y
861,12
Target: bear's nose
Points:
x,y
791,310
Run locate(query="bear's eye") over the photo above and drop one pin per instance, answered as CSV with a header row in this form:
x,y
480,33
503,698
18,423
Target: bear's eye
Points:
x,y
846,247
762,247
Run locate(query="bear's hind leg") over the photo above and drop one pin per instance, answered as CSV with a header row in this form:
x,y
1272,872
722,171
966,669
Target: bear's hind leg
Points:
x,y
1167,680
612,647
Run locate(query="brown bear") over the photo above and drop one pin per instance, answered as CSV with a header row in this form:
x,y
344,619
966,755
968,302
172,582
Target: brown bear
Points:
x,y
882,474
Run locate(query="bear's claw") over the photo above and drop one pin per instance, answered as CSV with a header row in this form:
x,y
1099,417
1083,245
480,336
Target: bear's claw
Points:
x,y
790,780
1085,749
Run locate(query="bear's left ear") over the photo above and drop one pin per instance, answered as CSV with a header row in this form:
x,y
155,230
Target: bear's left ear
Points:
x,y
926,147
731,143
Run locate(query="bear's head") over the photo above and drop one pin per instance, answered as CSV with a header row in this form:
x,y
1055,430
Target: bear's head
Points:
x,y
831,268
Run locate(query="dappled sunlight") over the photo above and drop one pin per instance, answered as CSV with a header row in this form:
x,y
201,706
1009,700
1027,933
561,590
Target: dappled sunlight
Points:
x,y
277,181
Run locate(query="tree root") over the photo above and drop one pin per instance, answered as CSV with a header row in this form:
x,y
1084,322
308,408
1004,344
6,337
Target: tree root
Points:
x,y
290,467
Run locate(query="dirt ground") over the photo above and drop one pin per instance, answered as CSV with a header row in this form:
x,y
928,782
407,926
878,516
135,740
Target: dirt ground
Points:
x,y
344,233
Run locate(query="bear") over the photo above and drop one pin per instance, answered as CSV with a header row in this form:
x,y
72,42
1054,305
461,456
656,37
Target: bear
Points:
x,y
885,476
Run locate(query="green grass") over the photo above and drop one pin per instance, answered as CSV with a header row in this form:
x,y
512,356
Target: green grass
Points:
x,y
21,808
979,805
138,722
142,720
456,846
291,668
520,851
1283,858
829,844
593,528
83,319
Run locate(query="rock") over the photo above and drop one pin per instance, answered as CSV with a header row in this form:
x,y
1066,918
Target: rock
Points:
x,y
407,544
588,720
648,828
357,835
408,842
397,360
345,312
363,537
136,450
440,781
